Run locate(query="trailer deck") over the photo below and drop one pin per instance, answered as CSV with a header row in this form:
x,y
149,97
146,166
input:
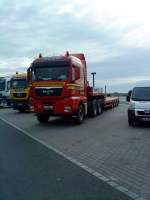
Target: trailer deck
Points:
x,y
111,102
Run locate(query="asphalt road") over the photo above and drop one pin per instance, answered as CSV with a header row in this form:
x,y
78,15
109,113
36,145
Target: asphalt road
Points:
x,y
29,170
105,144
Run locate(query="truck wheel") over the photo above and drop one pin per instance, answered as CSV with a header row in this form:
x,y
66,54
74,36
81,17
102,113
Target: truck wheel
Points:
x,y
21,110
80,114
42,118
9,103
99,107
93,109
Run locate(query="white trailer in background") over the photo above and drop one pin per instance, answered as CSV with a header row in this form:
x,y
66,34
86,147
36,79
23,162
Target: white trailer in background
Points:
x,y
5,91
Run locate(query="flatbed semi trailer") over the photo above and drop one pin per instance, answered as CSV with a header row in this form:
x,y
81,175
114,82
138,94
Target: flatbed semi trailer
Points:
x,y
111,102
59,87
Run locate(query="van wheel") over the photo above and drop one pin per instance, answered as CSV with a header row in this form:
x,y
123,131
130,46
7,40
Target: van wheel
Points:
x,y
80,114
131,122
42,118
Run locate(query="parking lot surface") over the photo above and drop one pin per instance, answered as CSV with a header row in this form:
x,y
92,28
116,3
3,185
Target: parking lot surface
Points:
x,y
29,171
105,144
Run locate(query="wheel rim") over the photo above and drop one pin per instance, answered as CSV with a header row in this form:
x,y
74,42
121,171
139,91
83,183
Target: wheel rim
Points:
x,y
94,109
95,112
81,114
100,109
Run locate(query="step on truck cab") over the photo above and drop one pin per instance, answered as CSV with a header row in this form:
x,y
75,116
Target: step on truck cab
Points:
x,y
59,87
19,90
5,91
139,103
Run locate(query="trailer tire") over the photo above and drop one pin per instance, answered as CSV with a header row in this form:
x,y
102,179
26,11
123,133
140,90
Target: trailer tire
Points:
x,y
99,107
42,118
117,103
80,114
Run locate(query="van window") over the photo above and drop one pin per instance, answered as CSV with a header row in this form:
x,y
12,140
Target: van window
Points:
x,y
141,94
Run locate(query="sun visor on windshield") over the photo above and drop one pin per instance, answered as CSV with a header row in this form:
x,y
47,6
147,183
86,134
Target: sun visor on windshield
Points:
x,y
49,63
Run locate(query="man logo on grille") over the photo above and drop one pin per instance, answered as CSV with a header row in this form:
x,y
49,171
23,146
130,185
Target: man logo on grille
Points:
x,y
48,92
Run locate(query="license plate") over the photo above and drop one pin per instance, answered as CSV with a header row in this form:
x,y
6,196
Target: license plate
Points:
x,y
146,119
48,107
20,104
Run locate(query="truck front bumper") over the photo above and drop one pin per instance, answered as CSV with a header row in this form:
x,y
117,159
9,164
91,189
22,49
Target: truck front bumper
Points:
x,y
20,104
62,107
5,102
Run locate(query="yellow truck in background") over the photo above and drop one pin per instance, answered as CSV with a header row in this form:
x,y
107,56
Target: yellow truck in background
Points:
x,y
19,92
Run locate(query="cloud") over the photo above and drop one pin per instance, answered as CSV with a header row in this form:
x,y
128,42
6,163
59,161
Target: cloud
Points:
x,y
11,66
114,35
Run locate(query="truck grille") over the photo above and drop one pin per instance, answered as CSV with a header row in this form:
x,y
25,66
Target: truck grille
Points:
x,y
20,95
48,91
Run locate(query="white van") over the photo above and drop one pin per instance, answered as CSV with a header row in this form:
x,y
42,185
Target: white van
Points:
x,y
139,106
5,91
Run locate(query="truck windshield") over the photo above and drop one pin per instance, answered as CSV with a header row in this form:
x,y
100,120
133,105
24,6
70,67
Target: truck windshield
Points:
x,y
19,83
51,73
2,84
141,94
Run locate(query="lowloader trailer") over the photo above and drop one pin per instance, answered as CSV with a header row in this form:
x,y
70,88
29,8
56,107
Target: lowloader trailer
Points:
x,y
59,87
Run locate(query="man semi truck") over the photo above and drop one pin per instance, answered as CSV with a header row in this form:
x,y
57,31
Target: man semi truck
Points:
x,y
5,91
19,92
59,87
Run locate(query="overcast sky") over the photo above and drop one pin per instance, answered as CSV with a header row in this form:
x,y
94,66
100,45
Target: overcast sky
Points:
x,y
113,34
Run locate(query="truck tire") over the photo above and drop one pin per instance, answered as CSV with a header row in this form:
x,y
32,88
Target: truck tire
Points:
x,y
99,107
80,114
42,118
93,109
8,103
21,110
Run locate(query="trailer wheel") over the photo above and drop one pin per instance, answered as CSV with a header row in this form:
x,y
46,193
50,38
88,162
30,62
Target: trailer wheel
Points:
x,y
42,118
80,114
99,107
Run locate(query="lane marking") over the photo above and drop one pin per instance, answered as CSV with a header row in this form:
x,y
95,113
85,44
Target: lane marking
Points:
x,y
110,182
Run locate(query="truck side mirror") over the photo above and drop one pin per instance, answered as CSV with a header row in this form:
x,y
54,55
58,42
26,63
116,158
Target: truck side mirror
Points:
x,y
29,74
129,96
